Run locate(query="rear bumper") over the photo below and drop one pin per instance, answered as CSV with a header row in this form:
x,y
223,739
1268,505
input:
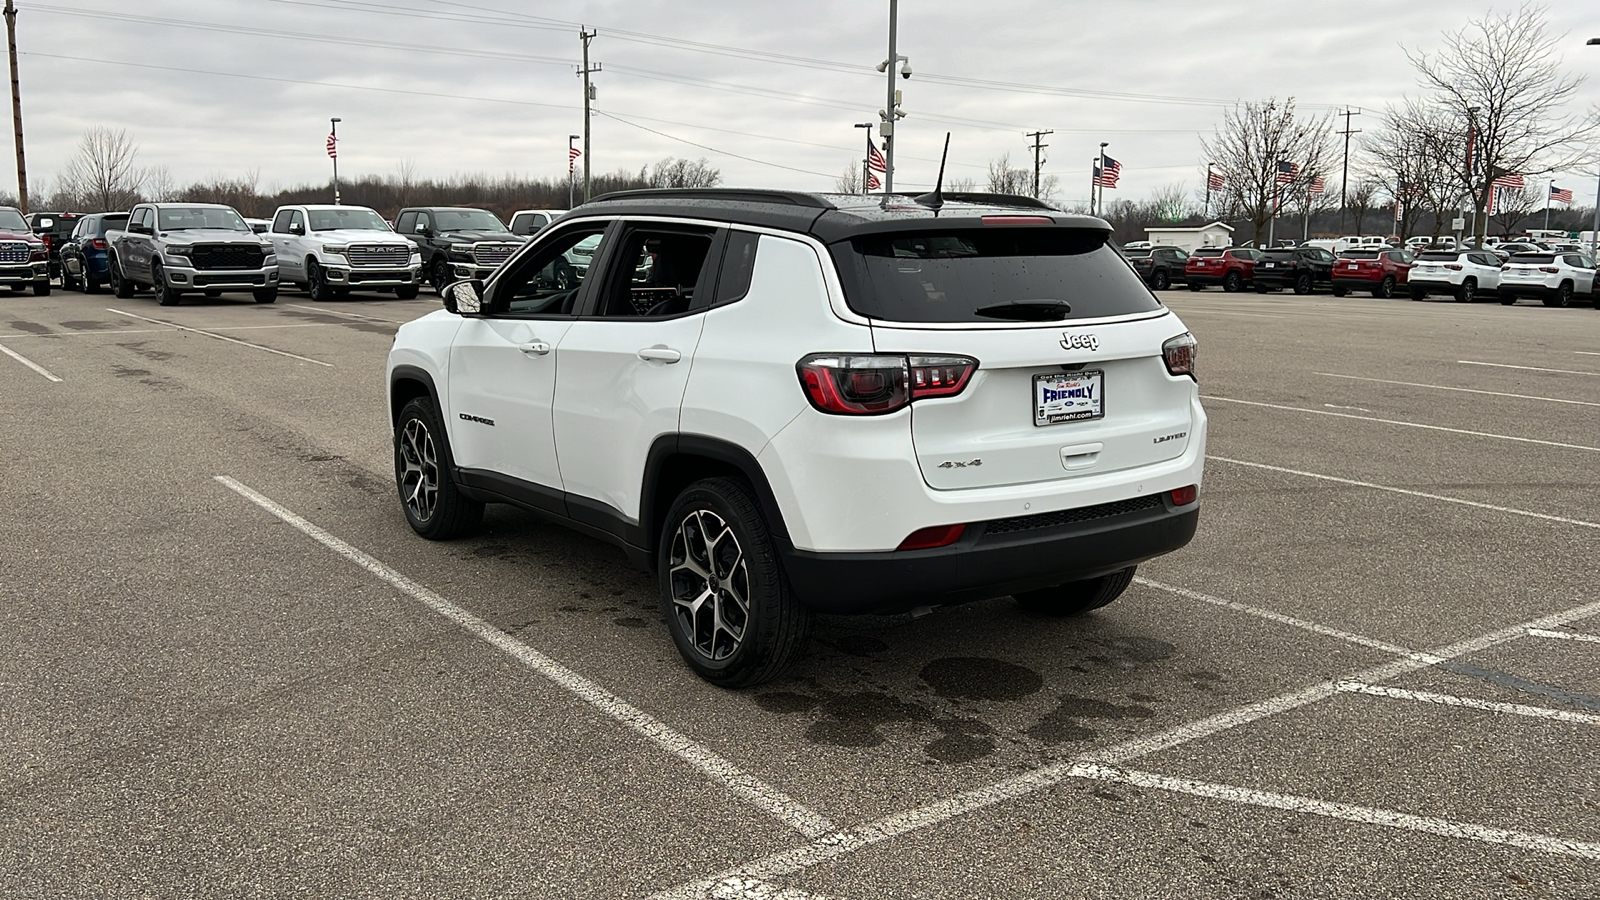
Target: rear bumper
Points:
x,y
984,564
1526,289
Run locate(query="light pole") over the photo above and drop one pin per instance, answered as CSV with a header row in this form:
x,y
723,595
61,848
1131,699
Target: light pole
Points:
x,y
1097,190
333,151
891,108
866,161
571,169
1472,168
1594,235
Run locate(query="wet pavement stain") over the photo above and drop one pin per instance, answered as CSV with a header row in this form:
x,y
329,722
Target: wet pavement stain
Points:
x,y
631,622
1063,724
87,325
980,678
140,348
1132,652
30,327
854,720
786,702
126,372
855,644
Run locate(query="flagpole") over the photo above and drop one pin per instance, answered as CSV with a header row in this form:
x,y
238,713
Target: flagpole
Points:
x,y
1549,188
1207,213
1102,180
333,138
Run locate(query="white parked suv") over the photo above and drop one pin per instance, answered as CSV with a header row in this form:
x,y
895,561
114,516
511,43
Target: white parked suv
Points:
x,y
331,250
1463,274
532,221
787,403
1554,278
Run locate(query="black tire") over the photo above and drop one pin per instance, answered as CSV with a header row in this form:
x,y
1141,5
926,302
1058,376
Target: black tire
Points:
x,y
265,295
439,274
1385,288
434,506
90,285
725,642
41,288
1261,289
406,292
1339,290
213,293
1160,281
1508,299
120,286
1302,283
1076,597
1232,282
1418,294
316,284
1563,297
1467,291
1197,288
165,295
68,283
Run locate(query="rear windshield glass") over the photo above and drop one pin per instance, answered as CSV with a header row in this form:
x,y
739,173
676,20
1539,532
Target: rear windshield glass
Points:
x,y
1440,254
949,276
1359,254
1277,254
1533,258
1206,253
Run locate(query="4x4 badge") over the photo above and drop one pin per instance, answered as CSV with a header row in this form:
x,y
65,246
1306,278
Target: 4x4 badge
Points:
x,y
1070,341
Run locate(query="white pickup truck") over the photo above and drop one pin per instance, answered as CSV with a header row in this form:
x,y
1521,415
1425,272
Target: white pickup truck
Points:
x,y
331,250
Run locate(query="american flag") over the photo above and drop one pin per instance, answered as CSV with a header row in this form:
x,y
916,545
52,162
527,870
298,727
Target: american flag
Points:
x,y
1317,186
333,152
872,181
875,160
1287,171
1214,180
1509,181
1559,195
1107,177
572,158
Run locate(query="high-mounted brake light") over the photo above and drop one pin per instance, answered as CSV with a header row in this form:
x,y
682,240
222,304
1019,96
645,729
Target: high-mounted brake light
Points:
x,y
928,538
1017,220
874,384
1179,354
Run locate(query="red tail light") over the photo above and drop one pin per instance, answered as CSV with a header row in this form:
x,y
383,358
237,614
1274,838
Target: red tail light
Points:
x,y
98,243
1179,354
875,384
937,536
1550,269
1185,495
1454,267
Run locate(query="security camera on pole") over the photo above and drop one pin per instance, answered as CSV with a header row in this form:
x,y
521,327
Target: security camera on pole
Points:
x,y
891,110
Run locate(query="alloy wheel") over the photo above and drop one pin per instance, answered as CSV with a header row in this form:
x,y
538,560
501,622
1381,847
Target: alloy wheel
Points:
x,y
419,470
710,584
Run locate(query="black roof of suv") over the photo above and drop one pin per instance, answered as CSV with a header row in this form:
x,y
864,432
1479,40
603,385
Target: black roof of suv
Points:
x,y
828,217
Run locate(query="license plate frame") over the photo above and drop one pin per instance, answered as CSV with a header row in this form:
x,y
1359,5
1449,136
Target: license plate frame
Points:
x,y
1058,411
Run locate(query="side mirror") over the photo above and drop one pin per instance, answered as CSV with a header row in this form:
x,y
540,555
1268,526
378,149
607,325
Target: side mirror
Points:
x,y
296,228
139,228
423,229
464,298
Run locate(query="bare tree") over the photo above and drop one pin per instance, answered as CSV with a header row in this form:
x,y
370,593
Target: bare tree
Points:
x,y
1171,204
1416,155
159,185
1359,195
963,185
1248,147
1501,76
405,176
1513,205
1005,178
103,174
849,181
684,173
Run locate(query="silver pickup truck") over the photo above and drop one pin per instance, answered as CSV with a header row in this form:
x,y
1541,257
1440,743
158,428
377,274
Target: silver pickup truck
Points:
x,y
176,248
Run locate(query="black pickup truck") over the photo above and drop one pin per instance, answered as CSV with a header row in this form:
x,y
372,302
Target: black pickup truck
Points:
x,y
1301,268
457,243
56,229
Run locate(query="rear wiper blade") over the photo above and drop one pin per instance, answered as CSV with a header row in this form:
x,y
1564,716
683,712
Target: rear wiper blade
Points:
x,y
1027,310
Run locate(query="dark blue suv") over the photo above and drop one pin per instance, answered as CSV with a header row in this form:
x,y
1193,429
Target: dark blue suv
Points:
x,y
83,256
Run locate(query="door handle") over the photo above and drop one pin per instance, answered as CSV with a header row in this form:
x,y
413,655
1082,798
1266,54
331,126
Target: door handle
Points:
x,y
534,348
660,354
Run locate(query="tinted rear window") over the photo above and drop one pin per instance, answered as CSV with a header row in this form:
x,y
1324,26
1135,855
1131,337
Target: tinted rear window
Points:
x,y
1277,254
1359,254
946,276
1450,255
1533,258
1206,252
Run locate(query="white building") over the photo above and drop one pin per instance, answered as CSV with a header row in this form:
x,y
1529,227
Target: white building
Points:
x,y
1215,234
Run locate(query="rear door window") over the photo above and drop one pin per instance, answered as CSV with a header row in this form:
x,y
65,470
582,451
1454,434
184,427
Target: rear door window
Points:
x,y
991,275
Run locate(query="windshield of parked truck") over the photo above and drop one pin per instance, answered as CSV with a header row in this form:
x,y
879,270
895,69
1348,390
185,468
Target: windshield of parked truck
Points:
x,y
466,220
183,218
354,218
11,220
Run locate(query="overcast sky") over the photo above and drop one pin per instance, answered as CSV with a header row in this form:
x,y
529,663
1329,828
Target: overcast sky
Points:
x,y
490,86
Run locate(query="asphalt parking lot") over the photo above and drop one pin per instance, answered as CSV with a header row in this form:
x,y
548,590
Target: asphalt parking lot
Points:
x,y
230,669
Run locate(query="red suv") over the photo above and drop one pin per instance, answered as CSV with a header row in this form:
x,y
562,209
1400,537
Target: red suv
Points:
x,y
1231,268
1378,271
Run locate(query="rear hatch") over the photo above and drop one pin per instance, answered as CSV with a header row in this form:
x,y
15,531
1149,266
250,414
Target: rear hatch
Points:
x,y
1436,265
1358,264
1081,393
1205,260
1275,262
1529,267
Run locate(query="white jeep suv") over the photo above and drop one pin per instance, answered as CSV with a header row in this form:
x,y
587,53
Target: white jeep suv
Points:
x,y
331,250
1463,274
1554,278
788,403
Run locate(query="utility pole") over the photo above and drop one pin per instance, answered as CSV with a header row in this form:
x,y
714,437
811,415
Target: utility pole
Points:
x,y
1037,159
1099,188
891,108
588,97
16,107
1344,180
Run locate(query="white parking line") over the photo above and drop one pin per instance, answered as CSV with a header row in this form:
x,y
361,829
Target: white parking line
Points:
x,y
1349,812
1409,493
756,889
1445,387
33,334
1518,709
1468,362
1340,415
743,785
1564,636
832,846
221,337
28,362
1588,352
339,312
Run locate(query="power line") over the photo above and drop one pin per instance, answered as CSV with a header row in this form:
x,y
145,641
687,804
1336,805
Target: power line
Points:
x,y
617,118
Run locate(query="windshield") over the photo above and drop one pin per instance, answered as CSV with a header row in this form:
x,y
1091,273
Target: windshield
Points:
x,y
466,220
354,217
182,218
963,275
11,220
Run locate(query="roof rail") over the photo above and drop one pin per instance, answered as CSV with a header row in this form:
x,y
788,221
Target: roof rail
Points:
x,y
731,195
992,199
